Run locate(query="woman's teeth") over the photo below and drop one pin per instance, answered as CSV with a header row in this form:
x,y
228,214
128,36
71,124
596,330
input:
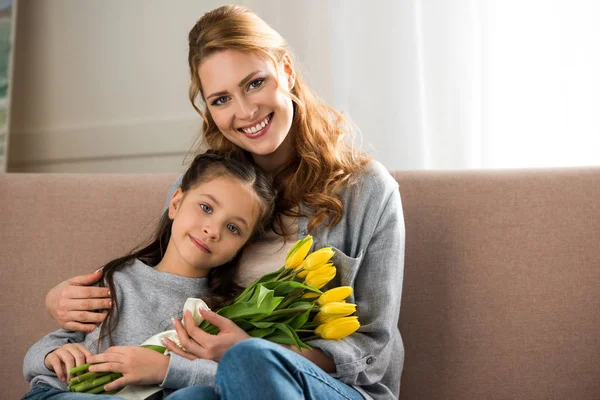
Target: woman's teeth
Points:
x,y
257,127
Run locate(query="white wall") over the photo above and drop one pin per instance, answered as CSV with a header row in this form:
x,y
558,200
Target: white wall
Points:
x,y
101,86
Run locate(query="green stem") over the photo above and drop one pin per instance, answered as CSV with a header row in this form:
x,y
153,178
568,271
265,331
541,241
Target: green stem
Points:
x,y
97,390
85,377
280,312
311,338
81,368
89,384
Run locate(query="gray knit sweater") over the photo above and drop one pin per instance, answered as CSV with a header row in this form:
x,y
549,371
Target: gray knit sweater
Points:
x,y
148,299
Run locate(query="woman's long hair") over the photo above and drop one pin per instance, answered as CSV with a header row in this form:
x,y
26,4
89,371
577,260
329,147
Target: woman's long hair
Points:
x,y
323,162
223,289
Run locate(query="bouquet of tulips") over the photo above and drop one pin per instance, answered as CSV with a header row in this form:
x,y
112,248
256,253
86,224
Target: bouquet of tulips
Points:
x,y
286,307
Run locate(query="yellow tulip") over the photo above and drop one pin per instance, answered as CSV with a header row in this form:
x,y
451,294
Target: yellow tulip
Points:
x,y
310,295
298,253
338,309
318,258
302,274
322,318
320,277
338,328
335,294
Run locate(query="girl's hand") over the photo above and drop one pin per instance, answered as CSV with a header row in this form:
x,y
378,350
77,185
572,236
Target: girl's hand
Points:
x,y
138,365
199,344
66,357
70,303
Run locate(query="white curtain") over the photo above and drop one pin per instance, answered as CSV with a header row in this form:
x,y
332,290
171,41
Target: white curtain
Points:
x,y
456,83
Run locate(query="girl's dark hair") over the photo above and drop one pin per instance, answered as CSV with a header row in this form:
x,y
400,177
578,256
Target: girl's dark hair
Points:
x,y
223,289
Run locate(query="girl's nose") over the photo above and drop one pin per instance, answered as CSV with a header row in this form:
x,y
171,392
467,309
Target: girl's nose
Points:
x,y
211,232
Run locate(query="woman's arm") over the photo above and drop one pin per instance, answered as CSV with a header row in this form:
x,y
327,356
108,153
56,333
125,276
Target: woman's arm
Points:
x,y
73,303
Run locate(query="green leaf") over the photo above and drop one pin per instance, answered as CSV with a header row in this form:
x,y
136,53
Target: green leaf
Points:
x,y
284,288
286,335
259,333
299,320
249,291
160,349
262,295
245,310
261,324
302,304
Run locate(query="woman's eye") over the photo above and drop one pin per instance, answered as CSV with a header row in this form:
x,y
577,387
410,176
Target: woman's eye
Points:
x,y
220,101
206,208
256,83
232,228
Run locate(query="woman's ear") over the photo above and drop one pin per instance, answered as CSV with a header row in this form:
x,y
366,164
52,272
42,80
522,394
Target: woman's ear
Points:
x,y
175,203
289,71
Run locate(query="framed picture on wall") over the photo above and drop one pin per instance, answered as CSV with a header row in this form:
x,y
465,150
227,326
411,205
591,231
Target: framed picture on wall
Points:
x,y
7,22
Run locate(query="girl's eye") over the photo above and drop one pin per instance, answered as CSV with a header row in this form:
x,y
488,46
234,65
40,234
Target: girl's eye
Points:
x,y
232,228
220,101
206,208
256,83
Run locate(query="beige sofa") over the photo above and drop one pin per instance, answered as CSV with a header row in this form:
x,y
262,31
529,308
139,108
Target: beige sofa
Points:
x,y
501,295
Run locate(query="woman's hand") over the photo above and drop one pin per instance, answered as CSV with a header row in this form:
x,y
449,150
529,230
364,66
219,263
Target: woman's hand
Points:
x,y
71,302
199,344
66,357
139,366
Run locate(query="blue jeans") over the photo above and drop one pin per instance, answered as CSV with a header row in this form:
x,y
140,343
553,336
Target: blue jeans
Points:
x,y
259,369
43,392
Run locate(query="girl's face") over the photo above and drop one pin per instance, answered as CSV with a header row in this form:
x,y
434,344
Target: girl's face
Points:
x,y
211,223
244,94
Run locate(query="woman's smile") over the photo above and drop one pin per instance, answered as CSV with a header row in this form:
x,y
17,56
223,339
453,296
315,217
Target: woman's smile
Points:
x,y
254,131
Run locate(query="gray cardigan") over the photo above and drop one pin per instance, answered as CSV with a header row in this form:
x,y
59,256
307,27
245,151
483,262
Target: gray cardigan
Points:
x,y
370,257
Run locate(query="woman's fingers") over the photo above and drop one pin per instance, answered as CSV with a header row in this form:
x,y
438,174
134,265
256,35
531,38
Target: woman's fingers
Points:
x,y
189,344
86,280
87,292
173,348
86,317
192,330
79,327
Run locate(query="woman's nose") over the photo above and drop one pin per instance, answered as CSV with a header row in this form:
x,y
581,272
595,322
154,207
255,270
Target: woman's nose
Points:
x,y
246,110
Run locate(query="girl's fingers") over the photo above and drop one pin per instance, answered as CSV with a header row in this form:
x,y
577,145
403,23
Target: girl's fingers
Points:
x,y
116,384
76,304
107,367
107,356
56,365
78,355
65,360
86,353
173,348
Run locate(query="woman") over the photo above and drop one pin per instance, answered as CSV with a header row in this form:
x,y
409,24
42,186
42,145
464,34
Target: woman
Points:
x,y
257,104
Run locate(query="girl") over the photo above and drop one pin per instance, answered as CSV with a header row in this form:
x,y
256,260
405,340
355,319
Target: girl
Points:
x,y
221,205
257,104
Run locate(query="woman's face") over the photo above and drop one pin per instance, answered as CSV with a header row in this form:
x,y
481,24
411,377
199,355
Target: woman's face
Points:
x,y
244,94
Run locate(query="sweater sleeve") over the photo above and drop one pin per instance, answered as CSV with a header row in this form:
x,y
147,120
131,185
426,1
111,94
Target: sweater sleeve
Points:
x,y
183,372
33,365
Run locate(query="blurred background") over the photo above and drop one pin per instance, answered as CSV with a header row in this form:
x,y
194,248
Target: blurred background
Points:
x,y
101,85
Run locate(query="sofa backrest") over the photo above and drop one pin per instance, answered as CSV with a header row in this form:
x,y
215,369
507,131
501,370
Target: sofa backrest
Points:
x,y
500,296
